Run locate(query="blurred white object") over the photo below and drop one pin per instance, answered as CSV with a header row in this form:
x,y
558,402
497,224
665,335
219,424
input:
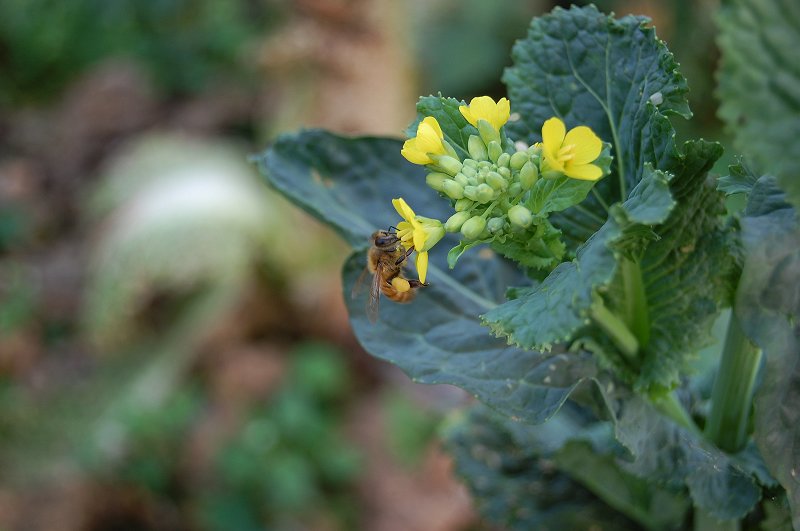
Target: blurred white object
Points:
x,y
174,215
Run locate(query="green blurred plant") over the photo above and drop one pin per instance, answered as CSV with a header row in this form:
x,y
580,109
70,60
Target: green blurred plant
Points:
x,y
184,44
290,462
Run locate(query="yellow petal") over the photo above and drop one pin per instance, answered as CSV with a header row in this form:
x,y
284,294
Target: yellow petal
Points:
x,y
431,122
584,172
427,139
422,266
502,112
587,144
419,237
412,153
403,209
467,114
483,107
553,132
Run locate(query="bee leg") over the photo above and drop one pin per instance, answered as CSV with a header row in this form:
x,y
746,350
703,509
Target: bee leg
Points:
x,y
417,284
406,255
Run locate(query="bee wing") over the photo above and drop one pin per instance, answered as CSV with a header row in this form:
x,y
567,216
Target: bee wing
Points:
x,y
357,287
375,294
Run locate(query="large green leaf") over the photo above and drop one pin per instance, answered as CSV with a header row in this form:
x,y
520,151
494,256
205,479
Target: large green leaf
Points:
x,y
509,468
349,183
651,506
664,452
768,304
675,234
759,85
561,302
615,76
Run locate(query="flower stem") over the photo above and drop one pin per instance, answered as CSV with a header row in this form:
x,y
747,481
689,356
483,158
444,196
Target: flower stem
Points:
x,y
634,311
616,329
732,395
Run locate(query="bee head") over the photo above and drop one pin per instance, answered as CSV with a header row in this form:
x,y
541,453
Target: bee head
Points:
x,y
385,240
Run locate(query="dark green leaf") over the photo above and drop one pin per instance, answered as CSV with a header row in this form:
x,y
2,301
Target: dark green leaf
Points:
x,y
562,301
348,183
675,233
666,453
740,180
439,339
613,75
768,304
455,127
653,507
759,85
515,484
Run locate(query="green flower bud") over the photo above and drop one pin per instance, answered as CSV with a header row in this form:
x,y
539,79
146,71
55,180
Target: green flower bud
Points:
x,y
484,193
449,149
534,151
454,222
494,151
474,181
520,216
488,133
473,227
528,175
505,172
495,225
476,148
471,192
436,180
463,204
485,164
496,181
450,165
452,189
551,174
469,163
518,160
470,171
514,189
503,159
461,179
479,179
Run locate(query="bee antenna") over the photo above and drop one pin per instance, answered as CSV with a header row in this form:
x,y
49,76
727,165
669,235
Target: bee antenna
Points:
x,y
392,228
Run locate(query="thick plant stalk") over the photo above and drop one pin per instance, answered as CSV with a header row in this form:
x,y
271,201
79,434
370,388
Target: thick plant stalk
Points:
x,y
636,313
732,395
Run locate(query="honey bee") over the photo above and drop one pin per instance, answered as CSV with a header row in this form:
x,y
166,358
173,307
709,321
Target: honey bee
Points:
x,y
385,260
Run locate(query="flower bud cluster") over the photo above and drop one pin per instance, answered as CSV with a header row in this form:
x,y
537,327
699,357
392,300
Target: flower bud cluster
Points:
x,y
488,187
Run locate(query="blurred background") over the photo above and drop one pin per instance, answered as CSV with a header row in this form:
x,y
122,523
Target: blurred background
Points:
x,y
174,349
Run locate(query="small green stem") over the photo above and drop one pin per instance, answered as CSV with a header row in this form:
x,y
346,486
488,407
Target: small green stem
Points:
x,y
670,406
732,395
616,329
634,311
489,209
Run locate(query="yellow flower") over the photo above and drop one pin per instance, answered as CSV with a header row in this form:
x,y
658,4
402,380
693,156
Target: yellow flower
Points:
x,y
484,108
419,233
571,153
429,140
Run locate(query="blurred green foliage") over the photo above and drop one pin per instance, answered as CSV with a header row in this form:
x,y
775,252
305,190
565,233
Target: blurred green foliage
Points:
x,y
291,454
410,428
183,43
